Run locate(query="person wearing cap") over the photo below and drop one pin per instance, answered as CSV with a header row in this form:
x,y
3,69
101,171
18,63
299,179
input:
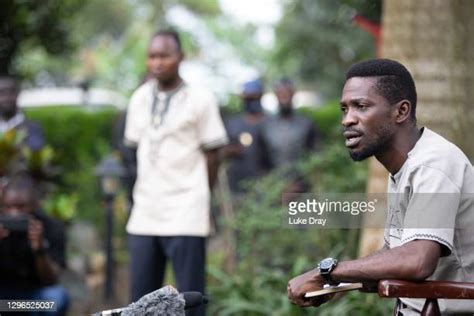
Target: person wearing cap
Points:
x,y
244,151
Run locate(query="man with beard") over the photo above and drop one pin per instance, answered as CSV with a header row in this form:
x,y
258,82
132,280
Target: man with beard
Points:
x,y
177,131
430,202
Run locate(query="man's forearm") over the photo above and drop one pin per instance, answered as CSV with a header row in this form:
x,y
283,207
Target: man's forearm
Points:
x,y
212,158
403,262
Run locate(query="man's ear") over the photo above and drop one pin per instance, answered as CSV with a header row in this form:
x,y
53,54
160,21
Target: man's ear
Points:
x,y
403,110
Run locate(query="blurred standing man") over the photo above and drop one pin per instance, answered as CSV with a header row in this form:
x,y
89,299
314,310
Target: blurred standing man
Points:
x,y
244,150
13,119
288,135
177,131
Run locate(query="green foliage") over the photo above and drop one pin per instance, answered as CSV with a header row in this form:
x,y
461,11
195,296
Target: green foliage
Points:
x,y
61,206
103,41
233,106
27,24
99,18
39,161
16,157
316,41
242,40
10,143
327,118
80,138
264,293
202,7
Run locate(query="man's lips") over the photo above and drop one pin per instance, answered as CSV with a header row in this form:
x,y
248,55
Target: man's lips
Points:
x,y
352,138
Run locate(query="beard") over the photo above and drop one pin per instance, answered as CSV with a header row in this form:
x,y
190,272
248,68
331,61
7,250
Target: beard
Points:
x,y
374,146
286,110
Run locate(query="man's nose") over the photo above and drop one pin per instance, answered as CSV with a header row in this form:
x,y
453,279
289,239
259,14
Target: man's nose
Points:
x,y
157,61
349,118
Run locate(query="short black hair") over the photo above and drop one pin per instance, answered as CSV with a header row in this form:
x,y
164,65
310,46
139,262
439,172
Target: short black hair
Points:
x,y
394,81
22,182
171,33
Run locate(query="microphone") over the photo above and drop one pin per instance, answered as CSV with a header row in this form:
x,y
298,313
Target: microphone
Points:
x,y
164,301
193,299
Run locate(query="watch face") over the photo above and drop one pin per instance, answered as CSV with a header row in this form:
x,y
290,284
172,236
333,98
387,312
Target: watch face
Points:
x,y
326,264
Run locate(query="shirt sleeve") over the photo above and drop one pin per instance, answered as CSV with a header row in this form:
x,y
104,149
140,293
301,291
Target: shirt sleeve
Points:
x,y
137,118
432,209
211,130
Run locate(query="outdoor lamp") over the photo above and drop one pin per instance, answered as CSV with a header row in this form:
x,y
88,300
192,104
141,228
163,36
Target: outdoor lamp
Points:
x,y
109,171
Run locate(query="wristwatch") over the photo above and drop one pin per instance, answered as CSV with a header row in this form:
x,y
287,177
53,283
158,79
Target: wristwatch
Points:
x,y
326,266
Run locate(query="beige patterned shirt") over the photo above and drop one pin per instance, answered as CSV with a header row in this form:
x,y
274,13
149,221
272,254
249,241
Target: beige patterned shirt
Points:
x,y
432,198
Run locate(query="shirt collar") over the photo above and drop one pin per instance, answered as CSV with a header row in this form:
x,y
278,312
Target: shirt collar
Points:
x,y
425,134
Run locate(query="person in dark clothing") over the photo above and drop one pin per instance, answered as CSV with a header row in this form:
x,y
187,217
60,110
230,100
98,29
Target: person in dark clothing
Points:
x,y
286,136
13,119
13,124
243,130
32,255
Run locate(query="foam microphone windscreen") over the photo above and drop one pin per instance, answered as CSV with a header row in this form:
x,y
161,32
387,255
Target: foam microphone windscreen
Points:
x,y
164,301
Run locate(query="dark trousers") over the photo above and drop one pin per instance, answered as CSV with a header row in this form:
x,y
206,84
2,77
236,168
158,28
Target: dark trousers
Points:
x,y
148,255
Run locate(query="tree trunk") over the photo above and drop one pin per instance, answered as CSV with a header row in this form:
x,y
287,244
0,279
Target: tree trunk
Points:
x,y
434,40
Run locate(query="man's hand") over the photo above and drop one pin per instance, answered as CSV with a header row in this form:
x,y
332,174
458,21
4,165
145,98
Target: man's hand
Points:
x,y
307,282
35,234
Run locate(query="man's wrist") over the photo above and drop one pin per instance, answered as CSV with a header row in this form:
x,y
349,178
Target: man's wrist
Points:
x,y
326,267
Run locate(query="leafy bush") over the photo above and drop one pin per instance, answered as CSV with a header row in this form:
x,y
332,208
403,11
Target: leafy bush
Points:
x,y
79,138
326,118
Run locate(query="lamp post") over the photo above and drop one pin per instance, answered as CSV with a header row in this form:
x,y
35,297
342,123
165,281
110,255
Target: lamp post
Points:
x,y
109,172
